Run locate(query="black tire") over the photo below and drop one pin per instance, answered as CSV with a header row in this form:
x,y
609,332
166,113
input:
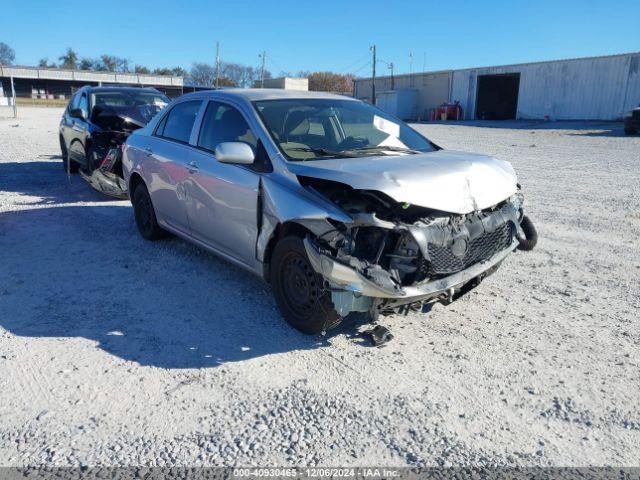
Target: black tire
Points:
x,y
92,161
299,290
145,214
531,235
630,131
65,158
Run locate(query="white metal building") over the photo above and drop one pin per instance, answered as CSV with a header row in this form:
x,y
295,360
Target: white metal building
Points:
x,y
594,88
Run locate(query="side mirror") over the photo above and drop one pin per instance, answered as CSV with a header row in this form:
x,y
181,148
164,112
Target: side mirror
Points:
x,y
76,113
234,152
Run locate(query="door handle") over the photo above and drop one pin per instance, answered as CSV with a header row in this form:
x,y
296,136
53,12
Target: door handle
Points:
x,y
148,151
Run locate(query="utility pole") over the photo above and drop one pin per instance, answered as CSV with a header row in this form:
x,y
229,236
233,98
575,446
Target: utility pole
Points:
x,y
393,84
264,57
410,68
373,76
217,64
13,95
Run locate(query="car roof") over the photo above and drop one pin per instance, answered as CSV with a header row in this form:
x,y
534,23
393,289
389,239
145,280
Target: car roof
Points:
x,y
253,94
121,89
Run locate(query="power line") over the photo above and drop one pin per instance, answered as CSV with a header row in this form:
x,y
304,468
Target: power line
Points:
x,y
270,60
366,65
364,57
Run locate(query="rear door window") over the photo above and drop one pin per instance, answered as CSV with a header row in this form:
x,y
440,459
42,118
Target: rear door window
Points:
x,y
178,123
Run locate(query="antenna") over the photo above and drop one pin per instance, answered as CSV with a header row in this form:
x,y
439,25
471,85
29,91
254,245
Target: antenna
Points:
x,y
217,64
373,76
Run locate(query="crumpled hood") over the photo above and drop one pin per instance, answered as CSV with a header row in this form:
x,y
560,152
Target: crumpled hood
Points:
x,y
455,182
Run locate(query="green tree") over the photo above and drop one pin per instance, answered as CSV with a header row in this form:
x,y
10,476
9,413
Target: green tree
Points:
x,y
107,63
69,60
7,54
86,64
178,72
162,71
44,63
141,69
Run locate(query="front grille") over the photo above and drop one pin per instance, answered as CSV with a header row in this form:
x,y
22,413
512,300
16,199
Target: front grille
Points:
x,y
444,261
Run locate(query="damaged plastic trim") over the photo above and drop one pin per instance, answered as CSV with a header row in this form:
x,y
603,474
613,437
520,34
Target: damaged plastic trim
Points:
x,y
349,279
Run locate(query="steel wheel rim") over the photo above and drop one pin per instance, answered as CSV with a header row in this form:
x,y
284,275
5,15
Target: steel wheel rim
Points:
x,y
301,289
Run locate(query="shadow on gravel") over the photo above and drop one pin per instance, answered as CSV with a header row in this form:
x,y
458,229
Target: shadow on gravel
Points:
x,y
46,179
585,128
85,272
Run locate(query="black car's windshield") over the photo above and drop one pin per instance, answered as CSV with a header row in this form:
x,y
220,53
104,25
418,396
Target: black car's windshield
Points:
x,y
315,129
142,105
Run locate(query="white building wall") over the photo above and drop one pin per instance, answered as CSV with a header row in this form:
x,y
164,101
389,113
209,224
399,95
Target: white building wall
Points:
x,y
601,88
598,88
432,89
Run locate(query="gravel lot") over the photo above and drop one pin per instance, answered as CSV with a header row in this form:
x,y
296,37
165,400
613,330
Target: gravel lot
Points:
x,y
114,350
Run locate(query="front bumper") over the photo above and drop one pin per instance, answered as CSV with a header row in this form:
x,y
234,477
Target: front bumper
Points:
x,y
631,122
345,278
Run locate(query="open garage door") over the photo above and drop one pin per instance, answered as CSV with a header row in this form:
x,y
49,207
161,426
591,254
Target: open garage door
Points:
x,y
497,96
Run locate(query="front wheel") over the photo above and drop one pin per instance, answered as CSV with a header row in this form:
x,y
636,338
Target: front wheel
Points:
x,y
299,290
145,215
68,164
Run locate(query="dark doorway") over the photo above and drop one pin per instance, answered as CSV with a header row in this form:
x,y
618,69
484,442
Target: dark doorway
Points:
x,y
497,96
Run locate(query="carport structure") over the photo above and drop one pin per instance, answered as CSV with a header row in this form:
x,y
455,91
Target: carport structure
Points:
x,y
59,84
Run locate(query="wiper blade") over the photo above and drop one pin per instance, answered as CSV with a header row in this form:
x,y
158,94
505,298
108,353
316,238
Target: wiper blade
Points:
x,y
381,148
320,151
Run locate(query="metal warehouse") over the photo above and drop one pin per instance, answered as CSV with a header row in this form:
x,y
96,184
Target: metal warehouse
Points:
x,y
594,88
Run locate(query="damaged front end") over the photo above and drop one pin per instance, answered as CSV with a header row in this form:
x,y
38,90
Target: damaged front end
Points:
x,y
106,175
395,255
117,123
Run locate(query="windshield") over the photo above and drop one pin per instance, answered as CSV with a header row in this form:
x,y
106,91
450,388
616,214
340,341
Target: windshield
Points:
x,y
136,104
315,129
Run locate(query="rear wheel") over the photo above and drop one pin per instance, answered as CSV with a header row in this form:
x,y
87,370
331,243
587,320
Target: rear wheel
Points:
x,y
68,164
145,215
299,290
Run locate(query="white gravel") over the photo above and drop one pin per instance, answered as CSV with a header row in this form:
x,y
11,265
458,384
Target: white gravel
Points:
x,y
117,351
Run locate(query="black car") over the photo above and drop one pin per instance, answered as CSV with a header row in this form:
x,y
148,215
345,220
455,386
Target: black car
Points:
x,y
94,126
632,122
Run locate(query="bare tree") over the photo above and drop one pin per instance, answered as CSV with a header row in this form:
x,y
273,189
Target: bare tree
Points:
x,y
329,82
202,74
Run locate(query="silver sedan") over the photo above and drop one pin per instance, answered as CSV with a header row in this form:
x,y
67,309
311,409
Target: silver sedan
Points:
x,y
338,205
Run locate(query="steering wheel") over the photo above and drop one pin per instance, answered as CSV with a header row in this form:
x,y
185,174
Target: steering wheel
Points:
x,y
353,142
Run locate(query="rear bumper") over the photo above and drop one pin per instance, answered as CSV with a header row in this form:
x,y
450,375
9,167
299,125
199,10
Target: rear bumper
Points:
x,y
346,278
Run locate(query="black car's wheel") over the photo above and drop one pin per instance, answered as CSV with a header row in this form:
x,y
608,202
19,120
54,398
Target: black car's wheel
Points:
x,y
630,131
298,289
145,214
67,163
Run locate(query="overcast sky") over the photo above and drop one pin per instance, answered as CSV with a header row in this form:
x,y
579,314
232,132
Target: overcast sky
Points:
x,y
322,35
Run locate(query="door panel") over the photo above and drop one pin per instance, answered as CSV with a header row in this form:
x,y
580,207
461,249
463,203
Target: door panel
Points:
x,y
222,206
165,171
